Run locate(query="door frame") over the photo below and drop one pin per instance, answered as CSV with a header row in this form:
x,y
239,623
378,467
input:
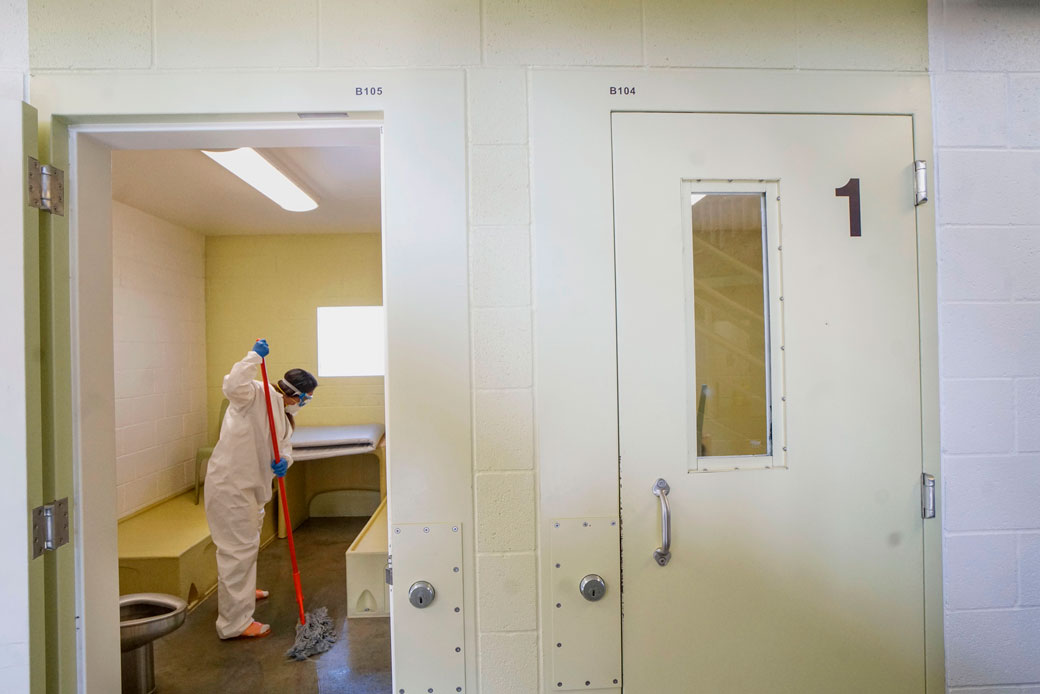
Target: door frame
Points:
x,y
425,275
575,321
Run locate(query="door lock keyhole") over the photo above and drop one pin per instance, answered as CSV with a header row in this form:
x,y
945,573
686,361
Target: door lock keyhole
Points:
x,y
592,587
421,594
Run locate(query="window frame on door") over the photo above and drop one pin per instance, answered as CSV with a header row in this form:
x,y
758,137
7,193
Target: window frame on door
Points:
x,y
769,189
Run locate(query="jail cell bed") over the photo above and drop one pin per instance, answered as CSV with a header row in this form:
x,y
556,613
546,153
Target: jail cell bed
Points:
x,y
311,443
309,490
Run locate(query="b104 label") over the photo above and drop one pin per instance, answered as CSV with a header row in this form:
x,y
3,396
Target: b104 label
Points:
x,y
623,91
368,91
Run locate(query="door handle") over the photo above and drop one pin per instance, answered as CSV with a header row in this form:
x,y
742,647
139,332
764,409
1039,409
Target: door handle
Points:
x,y
663,553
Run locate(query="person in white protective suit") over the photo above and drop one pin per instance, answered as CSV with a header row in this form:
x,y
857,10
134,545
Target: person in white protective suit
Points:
x,y
238,483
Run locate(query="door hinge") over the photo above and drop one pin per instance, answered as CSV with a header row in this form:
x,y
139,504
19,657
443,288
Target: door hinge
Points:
x,y
920,182
46,187
50,526
389,570
927,495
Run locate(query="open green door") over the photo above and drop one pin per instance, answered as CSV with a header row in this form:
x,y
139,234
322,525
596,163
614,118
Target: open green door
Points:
x,y
56,418
34,429
50,526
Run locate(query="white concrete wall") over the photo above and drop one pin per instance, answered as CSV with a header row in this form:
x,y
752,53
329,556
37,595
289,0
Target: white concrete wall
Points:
x,y
985,59
159,303
500,299
14,545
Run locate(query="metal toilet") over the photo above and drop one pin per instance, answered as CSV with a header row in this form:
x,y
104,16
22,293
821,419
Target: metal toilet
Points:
x,y
144,617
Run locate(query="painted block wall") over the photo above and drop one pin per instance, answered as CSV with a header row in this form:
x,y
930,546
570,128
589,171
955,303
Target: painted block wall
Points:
x,y
985,60
272,286
496,43
159,326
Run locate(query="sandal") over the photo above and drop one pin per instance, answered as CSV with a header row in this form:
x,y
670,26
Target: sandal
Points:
x,y
256,630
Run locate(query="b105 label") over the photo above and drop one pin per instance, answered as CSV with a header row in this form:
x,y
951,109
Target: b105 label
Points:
x,y
368,91
624,91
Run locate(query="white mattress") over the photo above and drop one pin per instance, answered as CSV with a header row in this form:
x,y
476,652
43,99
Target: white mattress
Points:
x,y
318,452
339,437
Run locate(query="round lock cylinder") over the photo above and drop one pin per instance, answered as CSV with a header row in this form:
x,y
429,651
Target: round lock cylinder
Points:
x,y
421,594
592,587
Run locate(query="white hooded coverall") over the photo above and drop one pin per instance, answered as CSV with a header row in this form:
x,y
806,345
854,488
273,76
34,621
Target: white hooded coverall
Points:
x,y
238,484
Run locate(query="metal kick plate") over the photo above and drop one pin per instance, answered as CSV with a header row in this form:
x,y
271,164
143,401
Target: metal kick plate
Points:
x,y
430,643
586,636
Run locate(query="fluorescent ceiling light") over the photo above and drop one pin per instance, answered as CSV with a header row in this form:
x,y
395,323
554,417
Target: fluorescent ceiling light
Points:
x,y
251,167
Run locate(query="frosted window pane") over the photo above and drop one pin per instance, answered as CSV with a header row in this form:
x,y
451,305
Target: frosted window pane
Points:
x,y
351,341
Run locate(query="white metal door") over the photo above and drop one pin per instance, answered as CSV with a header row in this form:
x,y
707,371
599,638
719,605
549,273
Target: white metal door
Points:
x,y
769,373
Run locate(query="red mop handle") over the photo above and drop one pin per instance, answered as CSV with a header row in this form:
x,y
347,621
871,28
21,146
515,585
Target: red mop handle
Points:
x,y
281,493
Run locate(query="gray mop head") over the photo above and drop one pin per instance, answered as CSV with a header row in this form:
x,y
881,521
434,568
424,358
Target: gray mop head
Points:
x,y
314,637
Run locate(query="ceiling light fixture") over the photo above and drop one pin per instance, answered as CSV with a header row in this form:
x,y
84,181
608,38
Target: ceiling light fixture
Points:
x,y
251,167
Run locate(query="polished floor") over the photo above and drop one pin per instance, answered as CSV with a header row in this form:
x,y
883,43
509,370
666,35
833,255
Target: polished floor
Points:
x,y
193,660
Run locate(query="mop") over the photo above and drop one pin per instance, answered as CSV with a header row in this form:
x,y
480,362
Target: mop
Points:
x,y
315,633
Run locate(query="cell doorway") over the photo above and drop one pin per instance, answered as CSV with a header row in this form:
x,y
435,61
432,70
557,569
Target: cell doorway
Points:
x,y
205,261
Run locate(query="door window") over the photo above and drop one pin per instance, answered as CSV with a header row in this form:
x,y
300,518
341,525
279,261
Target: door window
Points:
x,y
734,322
732,340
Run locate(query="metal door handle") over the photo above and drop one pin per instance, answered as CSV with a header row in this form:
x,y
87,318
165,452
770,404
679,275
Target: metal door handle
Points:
x,y
663,553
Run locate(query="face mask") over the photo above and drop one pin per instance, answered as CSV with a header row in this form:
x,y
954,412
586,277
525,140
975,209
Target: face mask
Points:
x,y
301,398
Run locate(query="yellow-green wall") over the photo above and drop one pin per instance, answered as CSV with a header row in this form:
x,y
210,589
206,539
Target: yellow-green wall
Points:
x,y
271,287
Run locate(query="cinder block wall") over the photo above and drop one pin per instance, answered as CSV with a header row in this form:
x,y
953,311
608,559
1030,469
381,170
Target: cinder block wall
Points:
x,y
985,57
159,326
989,340
341,270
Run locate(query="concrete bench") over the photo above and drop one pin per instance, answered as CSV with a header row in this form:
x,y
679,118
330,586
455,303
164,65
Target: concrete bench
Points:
x,y
367,592
168,549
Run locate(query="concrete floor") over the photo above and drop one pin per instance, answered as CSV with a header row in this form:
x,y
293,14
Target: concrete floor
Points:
x,y
193,660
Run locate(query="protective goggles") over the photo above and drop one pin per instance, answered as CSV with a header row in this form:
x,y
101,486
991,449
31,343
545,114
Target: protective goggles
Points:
x,y
304,397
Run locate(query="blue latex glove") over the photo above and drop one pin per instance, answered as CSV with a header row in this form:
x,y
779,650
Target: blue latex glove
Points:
x,y
261,348
279,467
